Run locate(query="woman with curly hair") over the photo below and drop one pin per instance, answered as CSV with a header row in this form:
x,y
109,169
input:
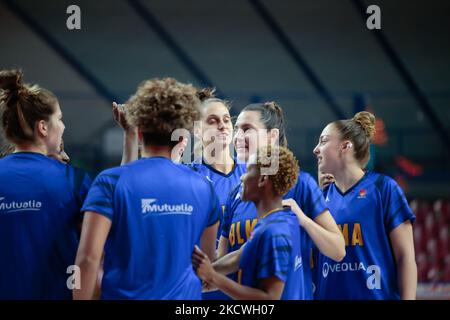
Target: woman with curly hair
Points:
x,y
147,215
270,267
258,125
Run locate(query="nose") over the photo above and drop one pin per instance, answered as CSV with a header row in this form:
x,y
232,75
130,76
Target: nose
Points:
x,y
316,150
238,135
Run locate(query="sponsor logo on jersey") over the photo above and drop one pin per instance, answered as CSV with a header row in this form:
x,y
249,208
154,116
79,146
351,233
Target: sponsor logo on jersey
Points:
x,y
18,206
373,280
150,206
298,262
362,194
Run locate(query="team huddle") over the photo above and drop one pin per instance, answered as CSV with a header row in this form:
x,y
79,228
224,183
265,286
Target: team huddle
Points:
x,y
235,219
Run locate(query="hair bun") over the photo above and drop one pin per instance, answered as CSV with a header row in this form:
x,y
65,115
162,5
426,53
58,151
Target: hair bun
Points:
x,y
205,94
11,80
367,121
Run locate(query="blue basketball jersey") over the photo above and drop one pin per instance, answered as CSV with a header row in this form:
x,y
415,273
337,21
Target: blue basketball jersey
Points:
x,y
274,249
241,217
159,210
40,202
223,183
366,214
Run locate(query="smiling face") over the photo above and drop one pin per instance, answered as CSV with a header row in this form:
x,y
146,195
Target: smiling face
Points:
x,y
216,124
250,134
327,151
55,131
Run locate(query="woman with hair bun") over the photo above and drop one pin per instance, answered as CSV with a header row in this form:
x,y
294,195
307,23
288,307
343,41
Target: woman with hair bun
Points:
x,y
40,197
270,266
372,213
147,215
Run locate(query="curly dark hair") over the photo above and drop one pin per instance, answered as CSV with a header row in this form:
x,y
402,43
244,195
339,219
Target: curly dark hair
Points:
x,y
160,106
288,169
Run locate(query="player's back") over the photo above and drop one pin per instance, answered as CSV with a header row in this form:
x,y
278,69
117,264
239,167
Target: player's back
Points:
x,y
39,216
159,212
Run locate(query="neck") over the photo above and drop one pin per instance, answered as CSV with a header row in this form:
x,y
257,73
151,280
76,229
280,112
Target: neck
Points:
x,y
28,147
348,177
157,151
220,159
267,204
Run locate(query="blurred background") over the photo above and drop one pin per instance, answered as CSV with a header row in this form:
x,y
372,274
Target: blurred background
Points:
x,y
317,59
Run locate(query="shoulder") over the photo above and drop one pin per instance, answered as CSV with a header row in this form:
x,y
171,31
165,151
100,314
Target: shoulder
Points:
x,y
383,182
280,223
111,174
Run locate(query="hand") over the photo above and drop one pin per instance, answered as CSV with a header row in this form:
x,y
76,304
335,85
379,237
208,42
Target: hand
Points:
x,y
177,151
296,209
325,179
203,265
119,116
207,287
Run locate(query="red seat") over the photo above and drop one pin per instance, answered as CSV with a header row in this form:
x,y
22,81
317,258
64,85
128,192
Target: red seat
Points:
x,y
422,267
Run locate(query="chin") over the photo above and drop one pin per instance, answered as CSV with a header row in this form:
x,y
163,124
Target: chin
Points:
x,y
240,154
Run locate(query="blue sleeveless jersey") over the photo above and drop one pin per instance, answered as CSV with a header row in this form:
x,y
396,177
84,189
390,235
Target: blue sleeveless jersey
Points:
x,y
366,214
274,250
241,217
159,211
40,202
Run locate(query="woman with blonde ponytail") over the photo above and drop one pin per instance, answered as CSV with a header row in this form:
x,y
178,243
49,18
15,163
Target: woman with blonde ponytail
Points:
x,y
372,213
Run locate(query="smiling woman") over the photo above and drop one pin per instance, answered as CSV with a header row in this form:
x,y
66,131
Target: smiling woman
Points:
x,y
40,208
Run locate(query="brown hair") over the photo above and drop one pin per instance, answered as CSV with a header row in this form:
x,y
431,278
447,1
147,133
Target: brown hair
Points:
x,y
161,106
5,150
286,175
208,95
22,106
272,117
360,130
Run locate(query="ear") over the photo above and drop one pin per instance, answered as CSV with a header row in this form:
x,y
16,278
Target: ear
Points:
x,y
263,181
274,135
42,128
347,145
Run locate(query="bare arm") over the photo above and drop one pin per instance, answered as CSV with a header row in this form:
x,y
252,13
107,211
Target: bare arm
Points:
x,y
93,237
208,240
269,288
403,246
228,263
323,231
222,249
130,136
